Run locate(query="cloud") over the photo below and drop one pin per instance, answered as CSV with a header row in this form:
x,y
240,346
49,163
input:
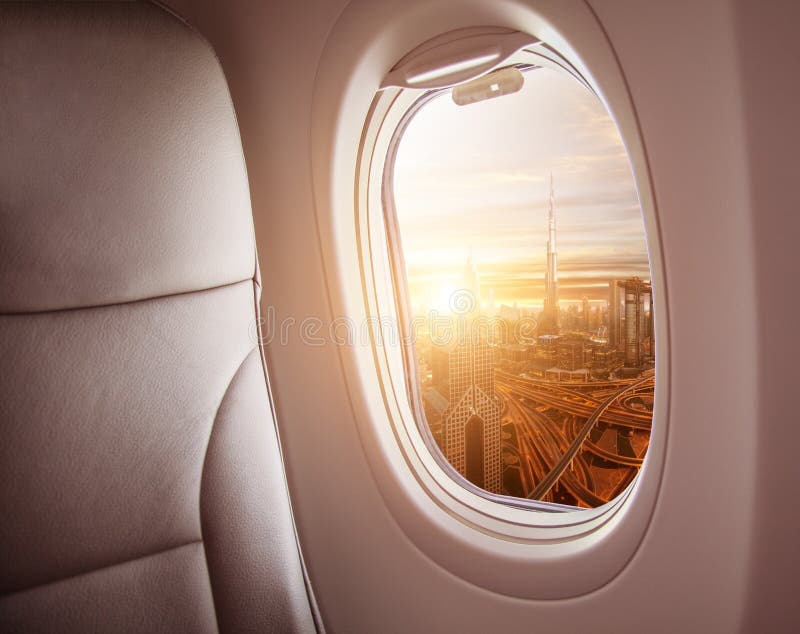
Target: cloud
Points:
x,y
477,179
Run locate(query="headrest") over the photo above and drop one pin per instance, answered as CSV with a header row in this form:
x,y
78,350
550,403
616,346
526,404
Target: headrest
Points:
x,y
121,168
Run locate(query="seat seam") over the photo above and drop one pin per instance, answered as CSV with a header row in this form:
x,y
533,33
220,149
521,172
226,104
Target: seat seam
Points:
x,y
200,511
91,571
203,473
47,311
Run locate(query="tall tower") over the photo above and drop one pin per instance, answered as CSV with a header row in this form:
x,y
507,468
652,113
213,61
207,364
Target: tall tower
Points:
x,y
463,372
472,281
464,375
586,314
614,317
551,311
638,295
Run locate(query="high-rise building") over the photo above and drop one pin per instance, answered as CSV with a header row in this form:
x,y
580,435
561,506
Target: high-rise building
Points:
x,y
464,373
614,334
595,321
551,314
630,320
472,282
630,314
570,354
586,314
547,348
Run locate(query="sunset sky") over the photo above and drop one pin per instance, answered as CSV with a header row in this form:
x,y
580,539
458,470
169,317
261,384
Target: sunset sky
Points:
x,y
477,177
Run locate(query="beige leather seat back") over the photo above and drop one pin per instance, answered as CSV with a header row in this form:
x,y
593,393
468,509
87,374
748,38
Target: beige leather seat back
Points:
x,y
140,476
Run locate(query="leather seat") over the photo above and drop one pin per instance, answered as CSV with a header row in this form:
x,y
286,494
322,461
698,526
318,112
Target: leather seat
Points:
x,y
141,480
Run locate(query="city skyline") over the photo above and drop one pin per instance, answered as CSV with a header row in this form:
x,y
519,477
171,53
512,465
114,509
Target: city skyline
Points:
x,y
527,202
471,181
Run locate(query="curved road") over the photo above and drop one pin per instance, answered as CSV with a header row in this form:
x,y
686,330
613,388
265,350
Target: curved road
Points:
x,y
575,446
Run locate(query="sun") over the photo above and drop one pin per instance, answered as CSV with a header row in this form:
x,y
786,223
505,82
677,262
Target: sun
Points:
x,y
441,300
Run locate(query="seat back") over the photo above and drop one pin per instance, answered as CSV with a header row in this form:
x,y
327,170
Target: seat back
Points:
x,y
141,482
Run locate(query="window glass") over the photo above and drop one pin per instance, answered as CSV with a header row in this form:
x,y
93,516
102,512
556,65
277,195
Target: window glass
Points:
x,y
528,281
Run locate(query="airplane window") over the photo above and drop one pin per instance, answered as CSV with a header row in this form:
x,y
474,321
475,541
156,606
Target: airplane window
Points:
x,y
525,281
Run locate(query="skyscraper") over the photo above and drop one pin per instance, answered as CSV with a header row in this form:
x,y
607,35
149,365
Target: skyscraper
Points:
x,y
550,314
631,326
586,314
472,282
637,295
614,335
464,374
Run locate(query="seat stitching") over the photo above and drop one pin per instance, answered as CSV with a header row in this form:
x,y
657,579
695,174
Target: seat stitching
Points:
x,y
47,311
92,571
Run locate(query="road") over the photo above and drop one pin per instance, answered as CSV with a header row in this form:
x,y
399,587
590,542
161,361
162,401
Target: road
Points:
x,y
554,424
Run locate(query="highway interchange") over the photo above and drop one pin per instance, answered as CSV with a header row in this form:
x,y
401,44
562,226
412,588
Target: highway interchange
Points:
x,y
555,432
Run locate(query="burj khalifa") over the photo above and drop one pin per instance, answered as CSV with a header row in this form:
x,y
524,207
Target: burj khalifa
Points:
x,y
550,314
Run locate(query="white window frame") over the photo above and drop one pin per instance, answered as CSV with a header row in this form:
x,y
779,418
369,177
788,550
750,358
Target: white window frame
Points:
x,y
507,549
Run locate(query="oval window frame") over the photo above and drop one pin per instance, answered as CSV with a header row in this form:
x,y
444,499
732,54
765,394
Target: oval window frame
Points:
x,y
502,548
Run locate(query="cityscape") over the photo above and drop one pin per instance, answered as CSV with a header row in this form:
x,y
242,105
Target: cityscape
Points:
x,y
520,223
558,412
